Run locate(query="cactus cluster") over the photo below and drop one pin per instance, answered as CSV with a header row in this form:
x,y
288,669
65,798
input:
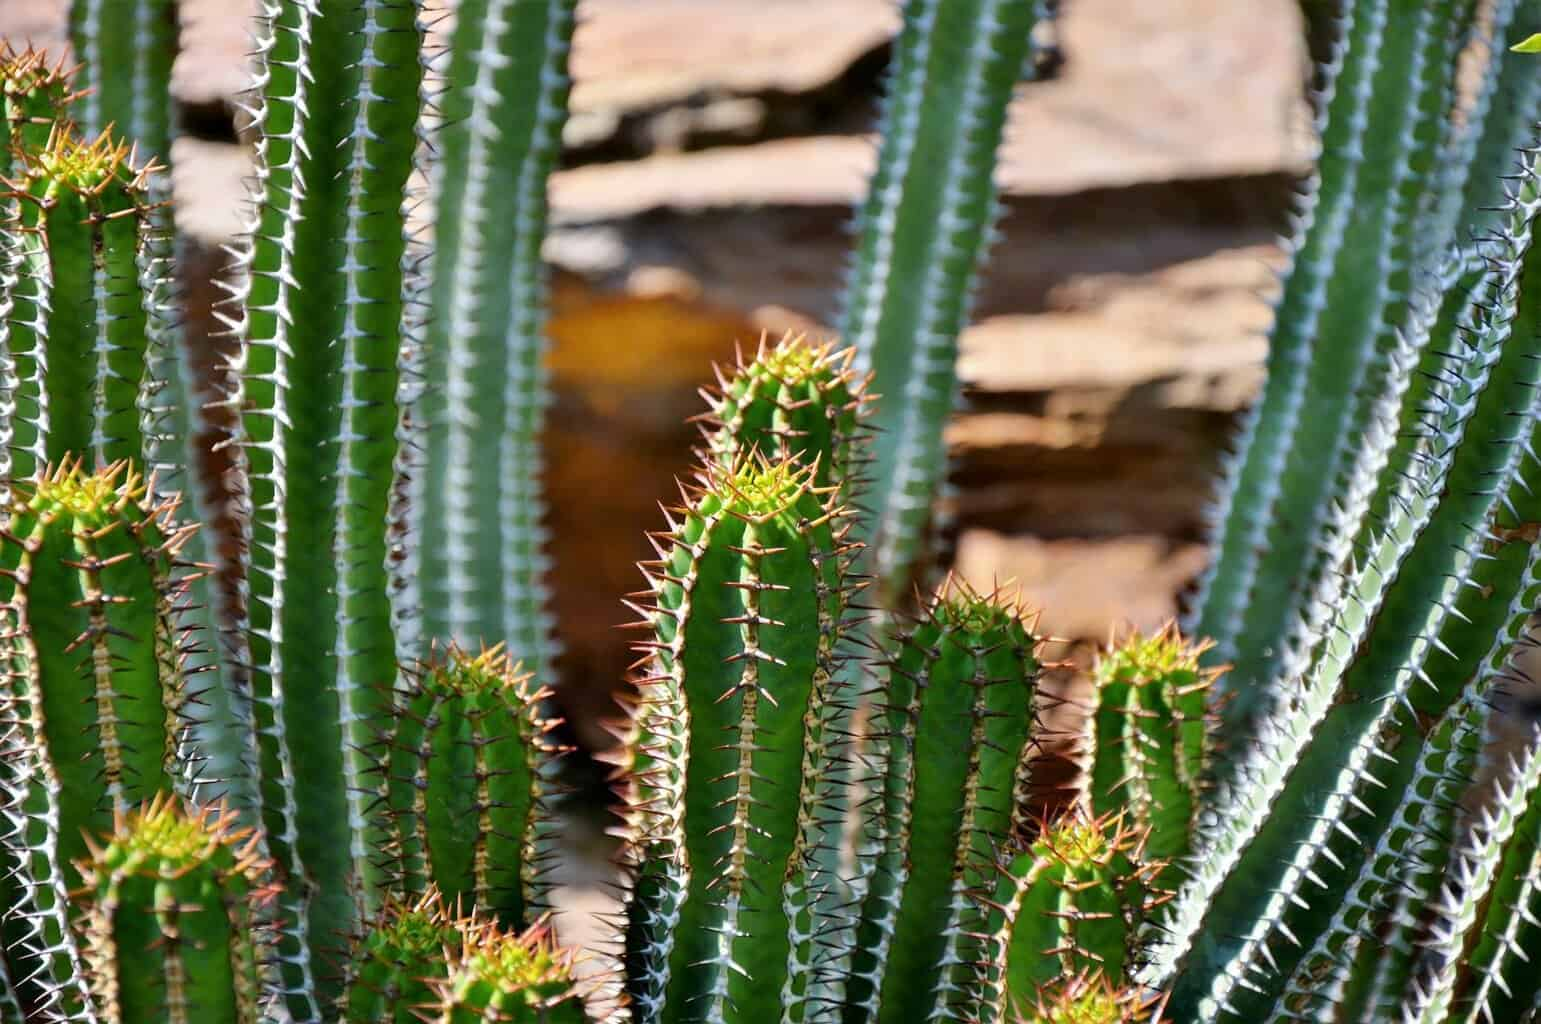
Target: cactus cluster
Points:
x,y
334,794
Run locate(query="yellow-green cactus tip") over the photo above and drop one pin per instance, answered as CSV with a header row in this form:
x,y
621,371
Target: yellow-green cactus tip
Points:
x,y
165,839
963,607
1140,658
1531,44
1079,841
92,497
527,965
794,360
1088,998
492,669
27,71
758,488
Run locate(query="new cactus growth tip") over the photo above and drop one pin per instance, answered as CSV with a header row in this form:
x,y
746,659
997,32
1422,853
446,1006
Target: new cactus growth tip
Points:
x,y
393,968
511,978
174,918
472,765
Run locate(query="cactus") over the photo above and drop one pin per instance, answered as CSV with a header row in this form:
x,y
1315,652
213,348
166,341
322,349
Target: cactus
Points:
x,y
173,919
32,93
750,599
496,975
481,540
1149,740
1088,998
1073,902
94,684
393,967
471,767
924,228
960,714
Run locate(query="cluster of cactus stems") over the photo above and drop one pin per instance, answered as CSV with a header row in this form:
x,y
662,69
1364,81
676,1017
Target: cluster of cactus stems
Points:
x,y
334,794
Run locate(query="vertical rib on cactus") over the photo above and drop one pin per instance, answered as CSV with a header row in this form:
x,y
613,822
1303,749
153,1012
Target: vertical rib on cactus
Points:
x,y
471,763
955,730
924,228
80,313
1351,263
393,967
1072,902
125,49
496,975
174,919
1149,740
750,597
478,509
316,389
1446,575
94,686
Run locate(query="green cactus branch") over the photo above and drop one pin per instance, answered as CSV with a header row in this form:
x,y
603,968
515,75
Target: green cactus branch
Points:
x,y
477,511
395,964
923,230
174,919
497,975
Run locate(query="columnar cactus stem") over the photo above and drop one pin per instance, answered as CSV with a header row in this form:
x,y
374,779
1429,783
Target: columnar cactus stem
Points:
x,y
478,509
750,599
174,919
392,971
472,765
496,975
80,310
924,228
125,49
1073,901
316,388
32,95
1149,740
1390,93
955,734
94,684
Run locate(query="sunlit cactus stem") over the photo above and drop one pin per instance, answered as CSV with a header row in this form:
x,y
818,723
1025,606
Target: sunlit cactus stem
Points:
x,y
472,764
174,919
94,685
393,967
1148,739
81,305
1073,901
33,95
750,598
956,732
498,975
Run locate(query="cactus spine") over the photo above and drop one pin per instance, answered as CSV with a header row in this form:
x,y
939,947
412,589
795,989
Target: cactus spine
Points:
x,y
955,732
94,682
750,599
174,920
1149,739
924,228
392,971
471,765
503,101
497,975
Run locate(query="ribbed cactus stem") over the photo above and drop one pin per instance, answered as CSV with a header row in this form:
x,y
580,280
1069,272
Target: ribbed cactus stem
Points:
x,y
750,597
33,95
1073,901
955,729
393,968
80,307
472,764
1087,997
1149,742
94,686
793,399
174,919
497,975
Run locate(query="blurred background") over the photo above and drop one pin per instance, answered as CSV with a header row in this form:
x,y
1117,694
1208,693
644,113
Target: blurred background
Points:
x,y
714,153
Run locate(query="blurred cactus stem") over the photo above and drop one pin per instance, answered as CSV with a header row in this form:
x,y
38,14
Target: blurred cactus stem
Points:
x,y
476,504
80,305
955,730
472,767
174,919
94,687
1149,739
393,969
497,975
924,228
736,724
1073,901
